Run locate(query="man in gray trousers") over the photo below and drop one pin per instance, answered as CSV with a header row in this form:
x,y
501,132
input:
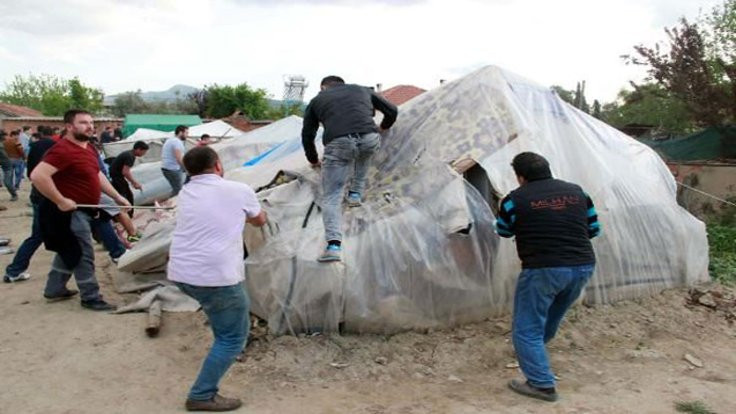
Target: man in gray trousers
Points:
x,y
350,138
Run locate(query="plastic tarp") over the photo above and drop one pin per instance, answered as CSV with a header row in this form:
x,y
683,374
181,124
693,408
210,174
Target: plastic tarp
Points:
x,y
233,153
421,252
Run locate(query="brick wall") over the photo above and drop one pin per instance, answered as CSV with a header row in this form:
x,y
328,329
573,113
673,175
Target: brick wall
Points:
x,y
9,124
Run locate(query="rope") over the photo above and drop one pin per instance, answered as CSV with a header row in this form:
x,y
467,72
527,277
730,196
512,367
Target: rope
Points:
x,y
706,194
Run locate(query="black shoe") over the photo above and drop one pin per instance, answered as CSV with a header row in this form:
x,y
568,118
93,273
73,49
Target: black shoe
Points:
x,y
63,296
524,388
98,305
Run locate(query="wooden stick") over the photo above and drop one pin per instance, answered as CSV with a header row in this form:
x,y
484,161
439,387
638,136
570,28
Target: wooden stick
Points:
x,y
154,319
133,207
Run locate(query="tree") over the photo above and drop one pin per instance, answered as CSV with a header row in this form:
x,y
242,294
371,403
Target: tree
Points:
x,y
706,87
222,101
564,94
132,102
597,110
648,104
51,95
575,98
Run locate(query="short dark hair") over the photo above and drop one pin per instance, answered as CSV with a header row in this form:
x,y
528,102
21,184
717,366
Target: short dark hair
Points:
x,y
15,132
72,113
332,80
200,159
26,128
180,128
204,136
140,145
531,166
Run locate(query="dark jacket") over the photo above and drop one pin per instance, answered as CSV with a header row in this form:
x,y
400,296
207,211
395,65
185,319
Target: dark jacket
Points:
x,y
343,110
56,233
553,222
35,155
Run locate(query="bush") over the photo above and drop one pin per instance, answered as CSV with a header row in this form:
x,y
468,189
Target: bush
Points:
x,y
722,243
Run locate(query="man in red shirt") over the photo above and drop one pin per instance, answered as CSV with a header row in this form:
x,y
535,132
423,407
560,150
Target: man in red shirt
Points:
x,y
69,175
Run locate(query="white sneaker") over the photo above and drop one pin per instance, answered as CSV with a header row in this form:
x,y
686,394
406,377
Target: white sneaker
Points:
x,y
21,277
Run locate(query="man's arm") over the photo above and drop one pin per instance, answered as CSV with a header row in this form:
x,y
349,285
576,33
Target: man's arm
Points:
x,y
258,220
309,132
389,110
129,176
594,227
41,178
506,218
179,155
108,189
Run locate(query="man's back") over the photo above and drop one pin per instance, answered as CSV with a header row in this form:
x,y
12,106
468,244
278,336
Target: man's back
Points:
x,y
348,109
551,223
125,158
168,156
207,245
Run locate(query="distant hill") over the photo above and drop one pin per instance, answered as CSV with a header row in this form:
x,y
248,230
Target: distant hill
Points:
x,y
173,93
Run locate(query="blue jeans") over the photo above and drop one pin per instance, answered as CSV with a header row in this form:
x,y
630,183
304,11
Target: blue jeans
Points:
x,y
8,180
175,179
19,168
227,309
26,250
110,240
341,154
542,297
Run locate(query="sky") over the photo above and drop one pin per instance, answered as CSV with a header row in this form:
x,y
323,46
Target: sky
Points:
x,y
123,45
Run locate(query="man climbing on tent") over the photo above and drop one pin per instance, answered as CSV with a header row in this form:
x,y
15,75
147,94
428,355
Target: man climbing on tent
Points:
x,y
206,263
350,138
553,222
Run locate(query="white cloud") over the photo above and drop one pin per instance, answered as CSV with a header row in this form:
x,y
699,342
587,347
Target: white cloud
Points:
x,y
123,45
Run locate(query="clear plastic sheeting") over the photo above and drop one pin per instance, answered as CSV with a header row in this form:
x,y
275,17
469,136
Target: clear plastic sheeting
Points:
x,y
421,252
233,153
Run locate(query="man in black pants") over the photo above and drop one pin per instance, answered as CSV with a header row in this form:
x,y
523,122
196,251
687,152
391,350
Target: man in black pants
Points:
x,y
120,171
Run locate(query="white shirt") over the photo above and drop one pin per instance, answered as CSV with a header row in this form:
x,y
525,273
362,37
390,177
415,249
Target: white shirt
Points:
x,y
207,246
168,157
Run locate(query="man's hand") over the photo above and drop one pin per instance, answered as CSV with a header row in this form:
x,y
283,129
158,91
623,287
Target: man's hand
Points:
x,y
137,186
66,204
122,202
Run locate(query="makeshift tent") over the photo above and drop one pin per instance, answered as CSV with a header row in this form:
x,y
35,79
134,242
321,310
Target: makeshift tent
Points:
x,y
421,251
714,143
158,122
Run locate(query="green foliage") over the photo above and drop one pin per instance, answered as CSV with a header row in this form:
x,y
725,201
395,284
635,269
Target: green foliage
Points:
x,y
284,110
564,94
133,103
51,95
693,407
648,104
722,244
222,101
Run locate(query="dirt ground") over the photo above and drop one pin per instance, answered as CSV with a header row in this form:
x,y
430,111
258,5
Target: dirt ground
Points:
x,y
628,357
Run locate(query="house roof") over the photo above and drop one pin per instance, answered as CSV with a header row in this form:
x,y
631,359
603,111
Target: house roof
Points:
x,y
401,93
13,111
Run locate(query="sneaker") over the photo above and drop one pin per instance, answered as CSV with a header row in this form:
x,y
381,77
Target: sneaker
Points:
x,y
333,253
134,238
354,199
526,389
4,241
97,305
217,403
116,259
63,296
21,277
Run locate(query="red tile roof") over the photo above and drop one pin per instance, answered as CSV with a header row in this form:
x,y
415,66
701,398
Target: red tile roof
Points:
x,y
17,110
401,93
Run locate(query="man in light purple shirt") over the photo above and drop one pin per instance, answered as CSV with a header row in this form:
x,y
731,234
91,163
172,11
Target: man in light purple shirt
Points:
x,y
206,263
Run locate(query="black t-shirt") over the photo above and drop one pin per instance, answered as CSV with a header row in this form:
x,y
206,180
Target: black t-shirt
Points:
x,y
123,159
